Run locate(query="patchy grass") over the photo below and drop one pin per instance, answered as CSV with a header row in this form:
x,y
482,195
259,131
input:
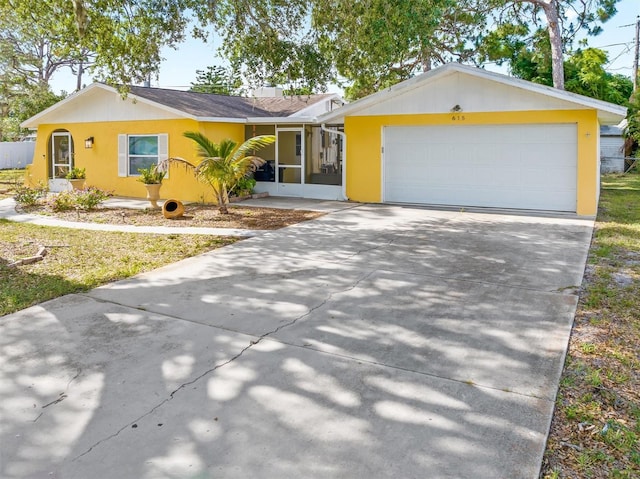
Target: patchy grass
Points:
x,y
11,175
9,179
595,431
79,260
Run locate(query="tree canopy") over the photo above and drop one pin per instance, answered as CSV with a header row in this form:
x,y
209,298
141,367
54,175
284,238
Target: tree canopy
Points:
x,y
561,20
302,45
368,44
218,80
118,40
363,45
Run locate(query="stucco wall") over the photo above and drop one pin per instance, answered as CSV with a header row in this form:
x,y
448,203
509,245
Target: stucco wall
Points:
x,y
364,134
101,161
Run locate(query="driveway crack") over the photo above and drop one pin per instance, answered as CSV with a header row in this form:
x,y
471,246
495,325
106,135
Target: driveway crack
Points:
x,y
251,344
385,244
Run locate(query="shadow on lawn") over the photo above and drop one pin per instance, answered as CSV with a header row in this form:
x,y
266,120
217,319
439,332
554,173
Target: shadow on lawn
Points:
x,y
20,289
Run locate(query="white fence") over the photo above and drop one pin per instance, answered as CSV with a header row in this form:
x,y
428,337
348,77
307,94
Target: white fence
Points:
x,y
16,154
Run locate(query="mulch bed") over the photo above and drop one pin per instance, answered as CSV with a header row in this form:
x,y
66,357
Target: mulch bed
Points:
x,y
194,216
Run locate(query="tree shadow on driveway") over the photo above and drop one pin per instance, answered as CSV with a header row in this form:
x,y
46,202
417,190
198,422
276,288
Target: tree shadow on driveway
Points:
x,y
394,344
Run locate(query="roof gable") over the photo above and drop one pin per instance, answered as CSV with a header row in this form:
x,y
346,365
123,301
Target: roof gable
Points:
x,y
471,89
99,102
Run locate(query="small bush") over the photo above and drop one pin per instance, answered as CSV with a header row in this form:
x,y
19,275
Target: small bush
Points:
x,y
244,186
63,201
90,197
86,199
27,196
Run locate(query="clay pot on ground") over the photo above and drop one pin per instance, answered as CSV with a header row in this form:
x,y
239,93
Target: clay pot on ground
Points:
x,y
172,209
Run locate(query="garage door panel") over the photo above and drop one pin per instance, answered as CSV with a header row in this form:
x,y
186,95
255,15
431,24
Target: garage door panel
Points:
x,y
508,166
549,155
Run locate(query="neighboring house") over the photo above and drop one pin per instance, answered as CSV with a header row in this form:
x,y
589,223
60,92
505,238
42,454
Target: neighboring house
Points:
x,y
611,149
456,136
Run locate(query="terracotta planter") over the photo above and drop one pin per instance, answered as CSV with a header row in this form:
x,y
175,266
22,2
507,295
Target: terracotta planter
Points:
x,y
172,209
77,184
153,194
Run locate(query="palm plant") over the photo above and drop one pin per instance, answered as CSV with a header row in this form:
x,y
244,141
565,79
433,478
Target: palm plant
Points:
x,y
223,164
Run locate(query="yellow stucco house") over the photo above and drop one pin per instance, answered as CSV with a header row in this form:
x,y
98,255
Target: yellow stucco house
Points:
x,y
456,136
112,137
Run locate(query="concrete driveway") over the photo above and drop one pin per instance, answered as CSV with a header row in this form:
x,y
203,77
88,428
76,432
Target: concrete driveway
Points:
x,y
377,341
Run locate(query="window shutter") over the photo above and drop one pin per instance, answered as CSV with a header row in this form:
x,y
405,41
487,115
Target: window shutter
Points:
x,y
123,167
163,149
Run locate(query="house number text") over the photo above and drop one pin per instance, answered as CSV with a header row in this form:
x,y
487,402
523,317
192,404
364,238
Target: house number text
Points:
x,y
458,117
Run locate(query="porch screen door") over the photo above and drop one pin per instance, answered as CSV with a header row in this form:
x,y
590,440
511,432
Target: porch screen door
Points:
x,y
289,160
61,160
61,154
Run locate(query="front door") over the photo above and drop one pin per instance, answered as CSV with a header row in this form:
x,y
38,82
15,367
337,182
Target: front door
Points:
x,y
61,160
289,161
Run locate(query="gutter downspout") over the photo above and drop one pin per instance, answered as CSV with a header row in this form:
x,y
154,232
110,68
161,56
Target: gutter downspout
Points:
x,y
344,158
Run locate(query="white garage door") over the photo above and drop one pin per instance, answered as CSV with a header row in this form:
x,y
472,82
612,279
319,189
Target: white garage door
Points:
x,y
504,166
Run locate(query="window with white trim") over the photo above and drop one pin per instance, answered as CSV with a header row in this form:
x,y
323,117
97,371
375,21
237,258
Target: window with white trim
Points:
x,y
143,152
136,152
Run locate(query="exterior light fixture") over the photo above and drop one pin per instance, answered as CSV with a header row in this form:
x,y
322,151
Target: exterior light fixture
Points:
x,y
88,143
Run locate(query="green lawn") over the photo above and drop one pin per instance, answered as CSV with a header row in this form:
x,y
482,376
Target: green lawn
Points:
x,y
7,176
78,260
596,427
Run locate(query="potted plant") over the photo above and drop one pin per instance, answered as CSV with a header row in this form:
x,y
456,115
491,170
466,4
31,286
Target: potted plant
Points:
x,y
152,178
77,177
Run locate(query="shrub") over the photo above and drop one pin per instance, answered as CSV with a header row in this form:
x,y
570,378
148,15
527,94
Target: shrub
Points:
x,y
244,186
90,197
27,196
63,201
86,199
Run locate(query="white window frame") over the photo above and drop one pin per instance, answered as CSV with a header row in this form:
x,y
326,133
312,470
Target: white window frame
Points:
x,y
123,151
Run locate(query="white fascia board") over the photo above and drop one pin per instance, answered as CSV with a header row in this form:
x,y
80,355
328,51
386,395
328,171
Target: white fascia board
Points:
x,y
282,120
218,119
333,117
302,112
451,68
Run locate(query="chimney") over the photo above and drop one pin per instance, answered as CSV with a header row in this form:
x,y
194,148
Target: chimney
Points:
x,y
267,92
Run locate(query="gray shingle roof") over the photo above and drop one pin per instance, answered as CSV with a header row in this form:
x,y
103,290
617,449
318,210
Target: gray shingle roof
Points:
x,y
221,106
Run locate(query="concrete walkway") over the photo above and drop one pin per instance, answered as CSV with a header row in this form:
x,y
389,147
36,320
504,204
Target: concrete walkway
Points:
x,y
373,342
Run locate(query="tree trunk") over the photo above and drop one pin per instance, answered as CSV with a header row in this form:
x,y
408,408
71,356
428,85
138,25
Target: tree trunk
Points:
x,y
550,8
222,205
79,76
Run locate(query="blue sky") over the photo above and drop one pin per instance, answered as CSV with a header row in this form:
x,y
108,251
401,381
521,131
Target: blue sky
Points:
x,y
178,69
